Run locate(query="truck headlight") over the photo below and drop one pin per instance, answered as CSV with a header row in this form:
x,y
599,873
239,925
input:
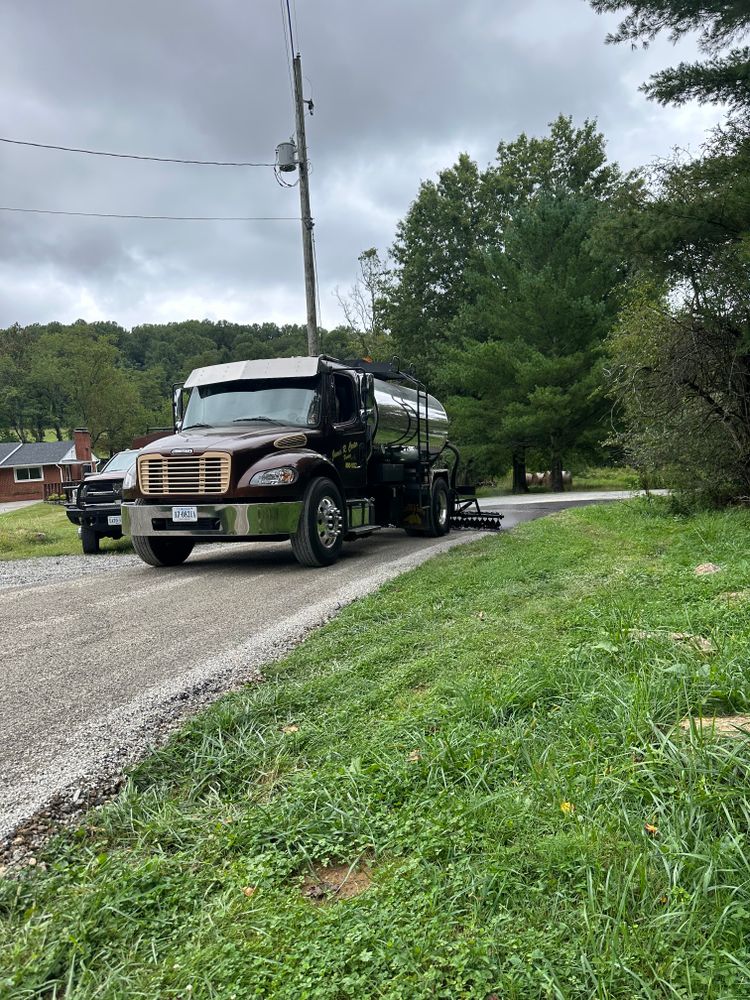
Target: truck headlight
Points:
x,y
131,477
275,477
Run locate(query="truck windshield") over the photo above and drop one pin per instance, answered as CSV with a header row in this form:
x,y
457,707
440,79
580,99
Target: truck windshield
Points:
x,y
120,462
294,402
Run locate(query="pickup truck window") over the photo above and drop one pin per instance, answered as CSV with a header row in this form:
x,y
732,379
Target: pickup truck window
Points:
x,y
289,402
120,462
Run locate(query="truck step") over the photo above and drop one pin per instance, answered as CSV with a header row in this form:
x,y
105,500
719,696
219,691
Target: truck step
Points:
x,y
362,531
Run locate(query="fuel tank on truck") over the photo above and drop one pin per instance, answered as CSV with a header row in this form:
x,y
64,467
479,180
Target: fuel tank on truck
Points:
x,y
396,422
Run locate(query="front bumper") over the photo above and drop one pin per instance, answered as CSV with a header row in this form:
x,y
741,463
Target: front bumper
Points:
x,y
96,518
221,520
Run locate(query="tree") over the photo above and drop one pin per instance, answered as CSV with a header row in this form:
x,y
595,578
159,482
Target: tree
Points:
x,y
680,358
364,305
684,388
502,295
680,362
435,245
548,301
719,23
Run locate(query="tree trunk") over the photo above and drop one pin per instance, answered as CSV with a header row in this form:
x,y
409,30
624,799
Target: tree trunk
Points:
x,y
519,472
556,471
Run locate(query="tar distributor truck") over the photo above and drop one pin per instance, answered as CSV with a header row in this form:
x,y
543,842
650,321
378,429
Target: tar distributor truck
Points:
x,y
314,450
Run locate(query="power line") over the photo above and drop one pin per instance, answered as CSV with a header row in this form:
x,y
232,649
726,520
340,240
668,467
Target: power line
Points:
x,y
317,284
167,218
287,49
291,36
136,156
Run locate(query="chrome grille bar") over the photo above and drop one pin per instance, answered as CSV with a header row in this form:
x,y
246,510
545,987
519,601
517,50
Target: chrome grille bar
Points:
x,y
182,475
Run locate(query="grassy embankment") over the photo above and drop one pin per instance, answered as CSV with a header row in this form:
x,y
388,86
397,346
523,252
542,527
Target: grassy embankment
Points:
x,y
493,743
44,530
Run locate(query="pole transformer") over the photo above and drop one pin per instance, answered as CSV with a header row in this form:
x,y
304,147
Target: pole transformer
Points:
x,y
313,347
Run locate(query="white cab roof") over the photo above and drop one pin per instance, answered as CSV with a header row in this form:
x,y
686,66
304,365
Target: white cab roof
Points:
x,y
233,371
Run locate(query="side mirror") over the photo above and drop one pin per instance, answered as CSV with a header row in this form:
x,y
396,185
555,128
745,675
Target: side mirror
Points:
x,y
367,400
177,411
368,391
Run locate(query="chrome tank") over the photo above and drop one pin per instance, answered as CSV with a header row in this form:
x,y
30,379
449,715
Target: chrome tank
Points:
x,y
396,422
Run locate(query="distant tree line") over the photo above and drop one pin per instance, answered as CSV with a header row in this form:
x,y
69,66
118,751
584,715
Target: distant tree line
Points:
x,y
117,382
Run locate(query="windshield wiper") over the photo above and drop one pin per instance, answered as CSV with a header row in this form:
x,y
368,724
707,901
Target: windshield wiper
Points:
x,y
190,426
245,420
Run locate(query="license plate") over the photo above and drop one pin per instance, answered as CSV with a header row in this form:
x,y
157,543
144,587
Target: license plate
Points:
x,y
113,520
185,514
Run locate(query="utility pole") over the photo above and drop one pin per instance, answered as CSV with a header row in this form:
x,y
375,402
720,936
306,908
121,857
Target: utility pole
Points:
x,y
307,222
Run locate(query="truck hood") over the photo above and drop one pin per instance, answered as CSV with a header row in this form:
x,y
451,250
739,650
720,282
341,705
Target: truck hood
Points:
x,y
229,439
104,477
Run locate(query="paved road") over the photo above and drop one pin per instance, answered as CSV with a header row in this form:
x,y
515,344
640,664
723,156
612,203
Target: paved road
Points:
x,y
98,655
10,505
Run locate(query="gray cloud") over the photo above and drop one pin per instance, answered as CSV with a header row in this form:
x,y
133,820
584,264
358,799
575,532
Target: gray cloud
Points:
x,y
400,89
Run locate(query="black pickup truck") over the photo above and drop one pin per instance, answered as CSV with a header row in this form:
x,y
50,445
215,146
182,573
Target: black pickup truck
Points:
x,y
95,505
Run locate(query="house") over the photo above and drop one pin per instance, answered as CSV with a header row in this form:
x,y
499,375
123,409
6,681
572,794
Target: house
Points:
x,y
29,471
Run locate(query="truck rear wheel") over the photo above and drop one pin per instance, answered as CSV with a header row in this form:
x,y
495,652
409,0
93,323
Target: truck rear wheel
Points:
x,y
320,534
438,515
162,551
89,541
440,509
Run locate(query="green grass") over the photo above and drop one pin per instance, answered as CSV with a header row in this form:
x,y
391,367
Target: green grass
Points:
x,y
609,478
487,734
44,530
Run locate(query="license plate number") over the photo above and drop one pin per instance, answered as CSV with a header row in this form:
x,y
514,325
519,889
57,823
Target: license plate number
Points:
x,y
114,520
185,514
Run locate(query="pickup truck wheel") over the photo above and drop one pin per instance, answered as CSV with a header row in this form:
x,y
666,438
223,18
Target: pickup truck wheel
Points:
x,y
89,541
162,551
320,534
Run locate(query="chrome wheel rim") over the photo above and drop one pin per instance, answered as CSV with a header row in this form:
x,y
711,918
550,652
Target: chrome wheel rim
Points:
x,y
442,511
328,522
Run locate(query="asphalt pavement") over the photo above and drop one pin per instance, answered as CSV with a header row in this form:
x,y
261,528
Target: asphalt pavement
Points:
x,y
99,658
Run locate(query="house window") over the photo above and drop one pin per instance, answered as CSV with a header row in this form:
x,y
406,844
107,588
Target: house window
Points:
x,y
29,474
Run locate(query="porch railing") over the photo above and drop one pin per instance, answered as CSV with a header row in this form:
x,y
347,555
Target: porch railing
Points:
x,y
61,493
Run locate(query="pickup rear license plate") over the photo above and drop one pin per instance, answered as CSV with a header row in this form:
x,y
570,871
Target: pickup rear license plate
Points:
x,y
185,514
113,520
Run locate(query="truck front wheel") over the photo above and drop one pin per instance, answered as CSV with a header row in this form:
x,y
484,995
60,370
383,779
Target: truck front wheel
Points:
x,y
320,534
162,551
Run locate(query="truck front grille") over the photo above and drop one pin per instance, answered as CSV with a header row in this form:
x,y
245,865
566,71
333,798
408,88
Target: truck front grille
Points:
x,y
184,475
90,496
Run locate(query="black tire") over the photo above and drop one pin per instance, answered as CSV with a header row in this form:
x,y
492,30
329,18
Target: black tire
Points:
x,y
320,535
89,541
440,509
438,516
162,551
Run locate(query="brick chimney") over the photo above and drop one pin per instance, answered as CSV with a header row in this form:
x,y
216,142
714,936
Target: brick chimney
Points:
x,y
82,444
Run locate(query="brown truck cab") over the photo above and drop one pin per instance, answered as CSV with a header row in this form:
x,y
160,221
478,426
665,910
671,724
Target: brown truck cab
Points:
x,y
314,450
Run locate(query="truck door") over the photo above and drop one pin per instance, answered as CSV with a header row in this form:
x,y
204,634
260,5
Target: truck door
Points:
x,y
349,453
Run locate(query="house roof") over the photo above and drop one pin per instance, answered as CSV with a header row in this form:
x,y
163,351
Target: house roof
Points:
x,y
39,453
7,448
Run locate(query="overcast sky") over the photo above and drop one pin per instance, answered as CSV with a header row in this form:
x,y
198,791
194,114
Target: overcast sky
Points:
x,y
400,88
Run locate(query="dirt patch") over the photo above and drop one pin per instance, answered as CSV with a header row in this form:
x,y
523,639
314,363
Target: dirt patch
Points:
x,y
332,883
736,595
706,568
698,642
721,725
